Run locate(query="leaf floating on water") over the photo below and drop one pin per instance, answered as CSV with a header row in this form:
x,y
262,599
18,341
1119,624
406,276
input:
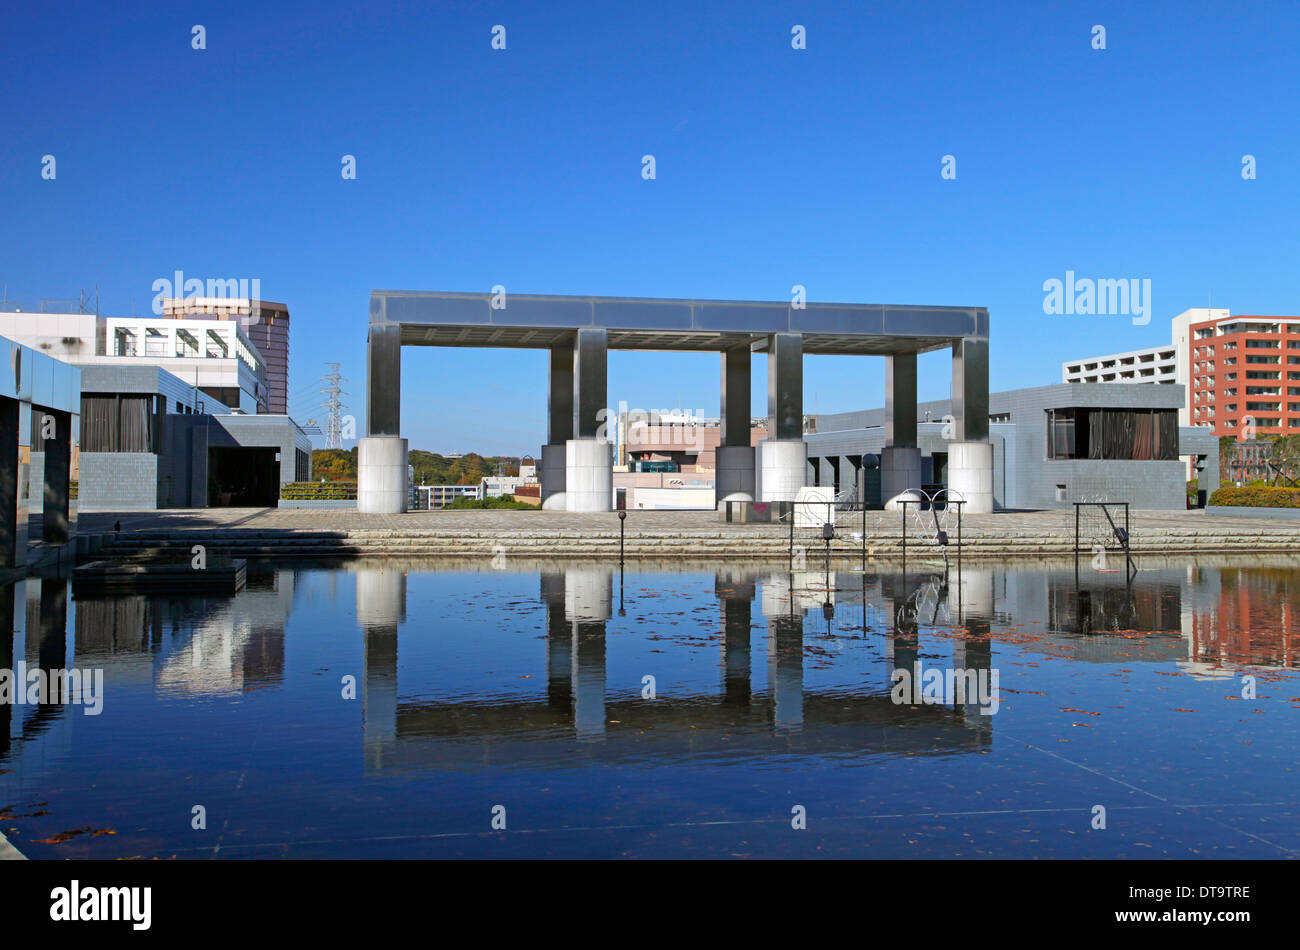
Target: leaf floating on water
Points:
x,y
63,836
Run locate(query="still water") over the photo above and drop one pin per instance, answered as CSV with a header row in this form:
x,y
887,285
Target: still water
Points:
x,y
411,709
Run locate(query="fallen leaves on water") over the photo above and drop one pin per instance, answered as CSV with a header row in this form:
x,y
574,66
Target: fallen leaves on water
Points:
x,y
63,836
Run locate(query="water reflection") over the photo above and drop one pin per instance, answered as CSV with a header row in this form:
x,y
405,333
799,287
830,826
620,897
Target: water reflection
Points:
x,y
577,700
538,671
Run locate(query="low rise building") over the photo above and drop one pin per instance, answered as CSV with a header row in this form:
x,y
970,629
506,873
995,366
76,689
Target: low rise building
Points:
x,y
1052,446
215,357
433,497
150,440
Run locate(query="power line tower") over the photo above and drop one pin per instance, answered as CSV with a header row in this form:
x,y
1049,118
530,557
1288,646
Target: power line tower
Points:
x,y
334,417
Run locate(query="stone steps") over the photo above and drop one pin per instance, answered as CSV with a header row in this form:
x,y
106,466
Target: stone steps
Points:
x,y
602,544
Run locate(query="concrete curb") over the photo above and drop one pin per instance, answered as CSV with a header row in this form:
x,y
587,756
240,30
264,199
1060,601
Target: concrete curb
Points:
x,y
1242,511
8,852
686,545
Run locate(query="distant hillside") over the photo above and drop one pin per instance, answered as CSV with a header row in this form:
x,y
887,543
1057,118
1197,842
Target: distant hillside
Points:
x,y
340,465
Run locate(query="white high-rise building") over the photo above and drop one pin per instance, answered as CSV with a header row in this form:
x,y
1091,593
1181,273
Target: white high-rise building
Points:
x,y
1168,364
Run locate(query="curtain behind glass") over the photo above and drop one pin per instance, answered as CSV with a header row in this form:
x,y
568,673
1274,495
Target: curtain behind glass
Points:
x,y
134,428
98,424
1168,430
1096,434
1144,435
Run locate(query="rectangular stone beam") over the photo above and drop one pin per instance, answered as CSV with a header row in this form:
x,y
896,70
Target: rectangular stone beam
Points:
x,y
970,390
58,476
735,396
590,382
13,542
785,386
900,399
559,404
384,380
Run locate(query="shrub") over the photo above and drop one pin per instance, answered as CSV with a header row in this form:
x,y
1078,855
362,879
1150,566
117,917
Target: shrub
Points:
x,y
502,501
1257,496
318,491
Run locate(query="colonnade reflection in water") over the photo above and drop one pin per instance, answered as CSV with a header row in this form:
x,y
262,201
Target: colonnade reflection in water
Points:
x,y
736,717
1209,619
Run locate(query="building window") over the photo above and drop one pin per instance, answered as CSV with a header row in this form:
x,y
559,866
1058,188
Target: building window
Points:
x,y
113,422
1113,434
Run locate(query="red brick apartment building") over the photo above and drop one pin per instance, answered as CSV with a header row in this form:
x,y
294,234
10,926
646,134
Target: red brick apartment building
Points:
x,y
1245,370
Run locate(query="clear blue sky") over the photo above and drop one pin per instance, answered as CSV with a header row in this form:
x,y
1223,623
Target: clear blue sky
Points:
x,y
819,167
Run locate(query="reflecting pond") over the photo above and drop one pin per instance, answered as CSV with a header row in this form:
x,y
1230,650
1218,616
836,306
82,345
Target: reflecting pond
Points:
x,y
425,709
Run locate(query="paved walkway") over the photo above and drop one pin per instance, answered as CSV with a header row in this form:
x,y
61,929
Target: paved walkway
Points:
x,y
308,519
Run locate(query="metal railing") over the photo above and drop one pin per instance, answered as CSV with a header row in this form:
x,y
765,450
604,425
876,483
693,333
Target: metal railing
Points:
x,y
935,517
826,526
1104,525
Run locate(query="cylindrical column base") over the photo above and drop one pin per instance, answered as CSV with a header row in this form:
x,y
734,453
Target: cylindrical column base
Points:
x,y
784,469
551,475
970,475
734,474
381,597
381,475
588,475
588,595
900,469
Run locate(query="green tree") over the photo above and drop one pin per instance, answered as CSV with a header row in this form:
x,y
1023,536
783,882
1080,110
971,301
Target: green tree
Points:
x,y
334,465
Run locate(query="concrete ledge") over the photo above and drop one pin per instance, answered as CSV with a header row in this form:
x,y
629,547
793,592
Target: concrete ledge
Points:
x,y
1249,511
8,852
339,504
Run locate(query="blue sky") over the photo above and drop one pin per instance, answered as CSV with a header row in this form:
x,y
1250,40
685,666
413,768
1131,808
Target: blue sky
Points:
x,y
775,167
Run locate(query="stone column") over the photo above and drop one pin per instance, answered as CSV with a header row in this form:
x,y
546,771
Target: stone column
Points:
x,y
588,599
559,427
734,479
381,456
13,509
381,607
736,595
559,644
784,652
900,460
57,487
783,455
970,457
588,460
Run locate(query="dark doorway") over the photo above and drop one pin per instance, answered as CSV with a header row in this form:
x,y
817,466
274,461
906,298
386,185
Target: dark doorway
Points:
x,y
243,478
940,468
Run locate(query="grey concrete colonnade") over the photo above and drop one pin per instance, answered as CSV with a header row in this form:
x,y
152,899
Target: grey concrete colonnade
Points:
x,y
576,462
40,412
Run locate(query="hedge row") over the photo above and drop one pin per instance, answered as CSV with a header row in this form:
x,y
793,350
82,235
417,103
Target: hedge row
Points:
x,y
318,491
500,501
1256,496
